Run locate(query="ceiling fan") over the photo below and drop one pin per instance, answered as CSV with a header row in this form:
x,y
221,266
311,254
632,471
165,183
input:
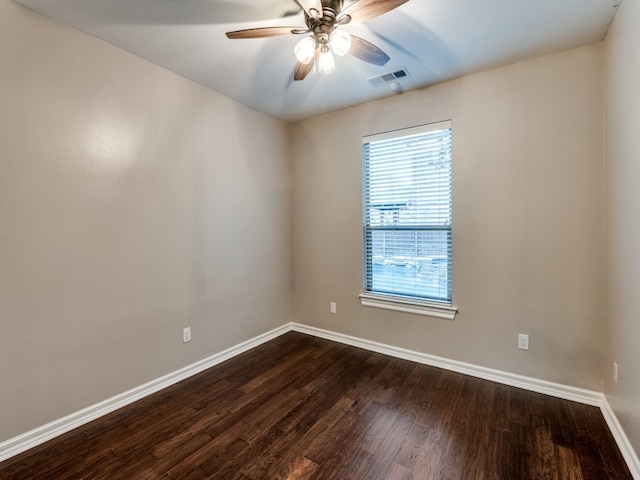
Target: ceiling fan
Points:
x,y
322,18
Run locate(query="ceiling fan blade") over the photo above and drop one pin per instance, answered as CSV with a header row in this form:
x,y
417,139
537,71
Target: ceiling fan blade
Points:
x,y
261,32
302,70
362,10
309,5
367,51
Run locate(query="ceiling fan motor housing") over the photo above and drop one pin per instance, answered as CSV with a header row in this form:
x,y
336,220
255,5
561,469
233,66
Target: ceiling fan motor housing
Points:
x,y
324,25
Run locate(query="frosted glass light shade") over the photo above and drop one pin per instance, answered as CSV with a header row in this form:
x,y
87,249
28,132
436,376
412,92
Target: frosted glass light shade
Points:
x,y
340,42
305,49
325,64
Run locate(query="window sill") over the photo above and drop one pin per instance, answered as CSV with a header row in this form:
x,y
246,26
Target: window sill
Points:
x,y
408,306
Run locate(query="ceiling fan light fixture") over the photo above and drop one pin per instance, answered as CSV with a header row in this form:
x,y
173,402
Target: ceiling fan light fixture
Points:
x,y
325,64
305,50
340,42
322,20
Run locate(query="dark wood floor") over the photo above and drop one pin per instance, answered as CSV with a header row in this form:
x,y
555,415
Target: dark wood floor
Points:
x,y
300,407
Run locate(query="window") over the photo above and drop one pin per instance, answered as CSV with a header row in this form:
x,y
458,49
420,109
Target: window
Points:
x,y
407,215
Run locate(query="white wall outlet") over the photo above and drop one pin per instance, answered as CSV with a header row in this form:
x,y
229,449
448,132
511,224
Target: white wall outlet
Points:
x,y
186,335
615,372
523,341
332,307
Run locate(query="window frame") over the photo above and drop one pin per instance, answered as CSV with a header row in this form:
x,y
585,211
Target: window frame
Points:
x,y
423,305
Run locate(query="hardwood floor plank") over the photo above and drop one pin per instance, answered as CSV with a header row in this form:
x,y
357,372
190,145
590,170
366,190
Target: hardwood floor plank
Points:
x,y
299,469
568,463
409,449
303,408
429,462
379,418
357,462
214,460
544,460
277,372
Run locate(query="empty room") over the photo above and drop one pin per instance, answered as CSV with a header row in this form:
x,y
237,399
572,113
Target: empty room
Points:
x,y
319,239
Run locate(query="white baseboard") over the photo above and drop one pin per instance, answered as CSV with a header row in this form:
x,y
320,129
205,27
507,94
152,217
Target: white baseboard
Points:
x,y
626,449
47,432
51,430
541,386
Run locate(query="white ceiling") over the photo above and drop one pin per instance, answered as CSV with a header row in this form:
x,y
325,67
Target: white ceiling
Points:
x,y
434,40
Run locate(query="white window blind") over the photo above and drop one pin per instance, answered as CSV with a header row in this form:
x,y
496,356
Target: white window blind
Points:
x,y
407,213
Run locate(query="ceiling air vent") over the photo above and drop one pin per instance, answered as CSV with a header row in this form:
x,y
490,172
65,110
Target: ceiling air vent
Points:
x,y
388,77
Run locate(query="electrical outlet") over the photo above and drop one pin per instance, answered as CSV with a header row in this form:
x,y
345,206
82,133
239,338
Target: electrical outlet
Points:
x,y
523,341
333,307
186,335
615,372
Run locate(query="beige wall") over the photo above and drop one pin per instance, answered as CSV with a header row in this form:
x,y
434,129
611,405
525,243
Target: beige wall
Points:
x,y
133,203
527,219
622,238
